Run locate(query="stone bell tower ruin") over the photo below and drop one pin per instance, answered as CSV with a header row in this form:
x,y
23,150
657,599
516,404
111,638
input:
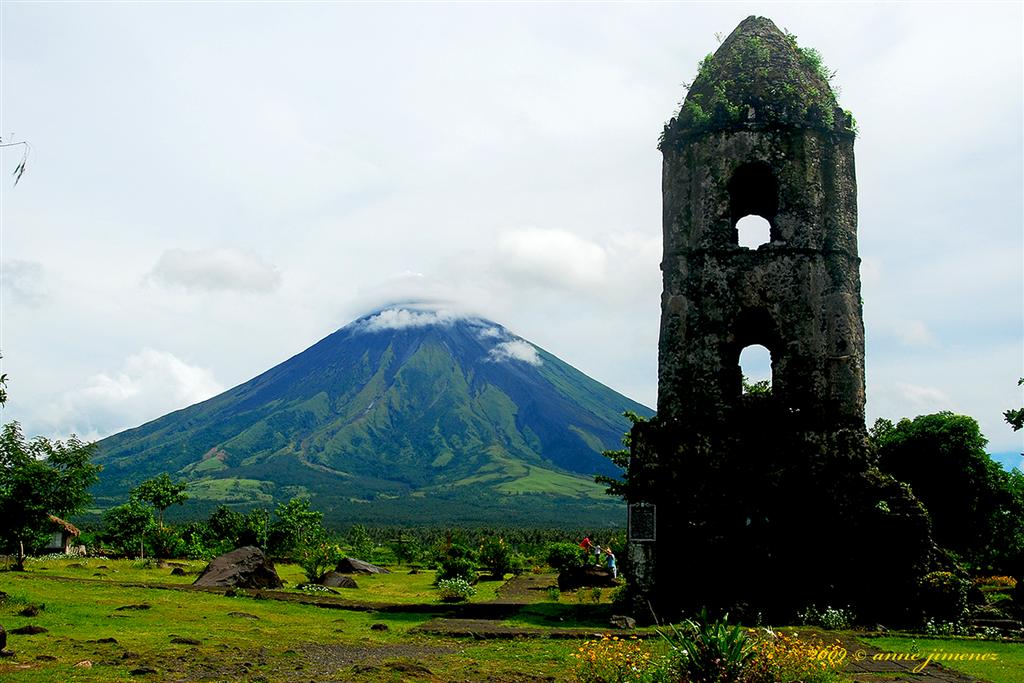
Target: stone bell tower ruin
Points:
x,y
747,502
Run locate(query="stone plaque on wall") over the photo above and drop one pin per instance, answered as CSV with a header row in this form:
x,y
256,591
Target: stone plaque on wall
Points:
x,y
642,522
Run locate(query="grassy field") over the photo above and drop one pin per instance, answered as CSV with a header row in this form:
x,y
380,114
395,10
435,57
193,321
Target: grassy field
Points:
x,y
190,636
397,587
113,620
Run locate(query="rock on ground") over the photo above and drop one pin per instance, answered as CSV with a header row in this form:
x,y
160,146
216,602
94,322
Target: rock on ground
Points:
x,y
337,580
351,565
245,567
588,576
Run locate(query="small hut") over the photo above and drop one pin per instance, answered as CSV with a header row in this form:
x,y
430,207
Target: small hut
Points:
x,y
63,536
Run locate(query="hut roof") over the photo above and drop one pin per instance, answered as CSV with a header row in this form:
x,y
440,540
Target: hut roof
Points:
x,y
67,526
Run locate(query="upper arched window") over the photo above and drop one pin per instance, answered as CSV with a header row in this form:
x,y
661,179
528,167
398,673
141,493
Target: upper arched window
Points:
x,y
753,191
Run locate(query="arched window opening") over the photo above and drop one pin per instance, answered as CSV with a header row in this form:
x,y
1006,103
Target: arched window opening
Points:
x,y
756,370
753,192
753,231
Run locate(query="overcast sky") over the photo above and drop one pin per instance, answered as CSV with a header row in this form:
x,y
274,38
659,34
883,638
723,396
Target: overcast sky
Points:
x,y
214,187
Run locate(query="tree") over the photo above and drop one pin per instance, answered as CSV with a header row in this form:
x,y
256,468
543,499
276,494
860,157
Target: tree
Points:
x,y
974,504
1015,416
298,531
39,478
295,524
126,525
620,458
360,542
161,492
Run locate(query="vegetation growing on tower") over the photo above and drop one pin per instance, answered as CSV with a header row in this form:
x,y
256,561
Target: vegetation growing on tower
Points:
x,y
760,76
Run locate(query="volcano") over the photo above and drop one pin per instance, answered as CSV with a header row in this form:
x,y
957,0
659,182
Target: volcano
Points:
x,y
406,415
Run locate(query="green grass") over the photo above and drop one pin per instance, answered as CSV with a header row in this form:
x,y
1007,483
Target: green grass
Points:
x,y
1005,668
281,642
77,615
230,490
122,571
398,587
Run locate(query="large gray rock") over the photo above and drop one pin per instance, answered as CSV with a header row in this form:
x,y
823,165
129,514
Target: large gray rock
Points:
x,y
351,565
337,580
245,567
587,576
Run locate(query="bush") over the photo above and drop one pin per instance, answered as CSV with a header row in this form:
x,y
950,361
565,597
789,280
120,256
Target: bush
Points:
x,y
197,549
457,562
831,618
616,659
778,657
498,558
317,556
706,650
455,590
944,597
360,542
564,555
165,542
995,582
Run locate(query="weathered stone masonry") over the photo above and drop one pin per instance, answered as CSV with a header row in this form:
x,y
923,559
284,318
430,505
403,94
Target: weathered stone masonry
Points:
x,y
760,496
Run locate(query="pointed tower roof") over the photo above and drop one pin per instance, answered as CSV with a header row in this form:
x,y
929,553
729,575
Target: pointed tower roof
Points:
x,y
759,77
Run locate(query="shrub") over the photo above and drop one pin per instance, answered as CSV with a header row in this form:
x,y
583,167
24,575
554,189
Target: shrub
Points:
x,y
831,618
457,561
359,540
944,628
455,590
619,660
317,557
995,582
705,650
165,542
944,597
711,652
496,556
778,657
565,555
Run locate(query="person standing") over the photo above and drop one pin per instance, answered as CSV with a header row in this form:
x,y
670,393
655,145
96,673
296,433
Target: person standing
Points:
x,y
610,563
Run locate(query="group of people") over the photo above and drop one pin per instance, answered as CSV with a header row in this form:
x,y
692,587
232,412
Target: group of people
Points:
x,y
594,550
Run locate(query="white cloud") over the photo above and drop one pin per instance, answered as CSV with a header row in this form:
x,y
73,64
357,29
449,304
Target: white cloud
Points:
x,y
490,333
405,318
551,257
517,349
149,384
914,333
923,398
421,173
223,269
24,282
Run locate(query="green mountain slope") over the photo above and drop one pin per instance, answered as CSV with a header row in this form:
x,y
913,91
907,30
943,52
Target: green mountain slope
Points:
x,y
403,415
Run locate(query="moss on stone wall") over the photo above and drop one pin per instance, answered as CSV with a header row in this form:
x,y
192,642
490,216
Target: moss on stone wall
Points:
x,y
759,77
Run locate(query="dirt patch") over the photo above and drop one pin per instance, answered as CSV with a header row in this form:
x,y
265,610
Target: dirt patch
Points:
x,y
487,629
526,589
328,659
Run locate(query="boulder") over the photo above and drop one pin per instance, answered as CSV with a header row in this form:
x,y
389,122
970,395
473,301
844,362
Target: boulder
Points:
x,y
351,565
587,576
337,580
622,621
245,567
